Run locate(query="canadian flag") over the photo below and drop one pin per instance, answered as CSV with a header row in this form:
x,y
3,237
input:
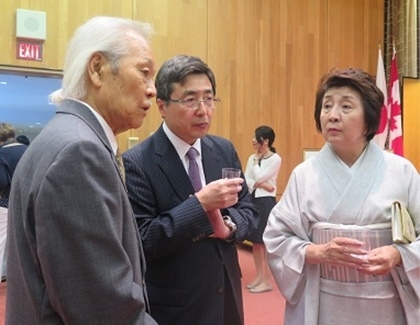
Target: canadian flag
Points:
x,y
382,133
395,125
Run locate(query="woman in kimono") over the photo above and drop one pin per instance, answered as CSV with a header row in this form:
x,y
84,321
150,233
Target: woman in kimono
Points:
x,y
261,174
314,234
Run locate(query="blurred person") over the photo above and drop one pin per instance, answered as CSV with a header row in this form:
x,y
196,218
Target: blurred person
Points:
x,y
189,233
261,174
322,271
10,153
75,256
23,139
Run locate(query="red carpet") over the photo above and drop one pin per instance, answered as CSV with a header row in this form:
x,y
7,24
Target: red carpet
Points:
x,y
265,308
2,301
260,308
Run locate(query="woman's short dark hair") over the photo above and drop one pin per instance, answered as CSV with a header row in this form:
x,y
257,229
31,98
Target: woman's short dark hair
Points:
x,y
264,132
359,81
23,139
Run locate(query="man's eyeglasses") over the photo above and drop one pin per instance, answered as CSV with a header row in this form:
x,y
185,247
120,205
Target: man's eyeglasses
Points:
x,y
193,104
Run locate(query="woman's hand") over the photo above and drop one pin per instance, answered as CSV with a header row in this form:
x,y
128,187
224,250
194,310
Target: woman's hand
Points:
x,y
340,251
265,186
382,260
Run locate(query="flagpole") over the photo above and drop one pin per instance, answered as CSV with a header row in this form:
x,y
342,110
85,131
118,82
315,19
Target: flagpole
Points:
x,y
395,132
382,132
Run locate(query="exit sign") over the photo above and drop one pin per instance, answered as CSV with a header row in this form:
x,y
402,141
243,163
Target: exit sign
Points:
x,y
29,50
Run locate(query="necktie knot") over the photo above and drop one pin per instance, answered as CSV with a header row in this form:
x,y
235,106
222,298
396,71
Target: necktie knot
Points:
x,y
192,153
193,170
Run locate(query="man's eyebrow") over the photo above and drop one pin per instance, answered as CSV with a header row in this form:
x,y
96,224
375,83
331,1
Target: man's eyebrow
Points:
x,y
193,92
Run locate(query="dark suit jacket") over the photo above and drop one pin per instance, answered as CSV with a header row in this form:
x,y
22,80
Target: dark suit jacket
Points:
x,y
9,158
188,274
74,254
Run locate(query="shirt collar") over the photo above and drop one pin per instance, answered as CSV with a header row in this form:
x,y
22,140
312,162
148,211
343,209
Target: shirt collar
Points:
x,y
180,145
107,129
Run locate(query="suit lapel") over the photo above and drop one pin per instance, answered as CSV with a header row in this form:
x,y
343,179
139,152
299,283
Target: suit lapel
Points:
x,y
173,168
168,160
81,111
78,109
212,164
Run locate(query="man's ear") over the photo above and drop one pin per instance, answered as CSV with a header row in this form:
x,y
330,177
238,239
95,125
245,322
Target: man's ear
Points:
x,y
161,104
95,69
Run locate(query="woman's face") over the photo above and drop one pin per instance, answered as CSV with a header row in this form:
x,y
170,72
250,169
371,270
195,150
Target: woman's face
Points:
x,y
255,143
261,146
343,119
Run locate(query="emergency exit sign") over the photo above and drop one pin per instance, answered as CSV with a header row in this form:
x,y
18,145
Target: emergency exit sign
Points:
x,y
29,50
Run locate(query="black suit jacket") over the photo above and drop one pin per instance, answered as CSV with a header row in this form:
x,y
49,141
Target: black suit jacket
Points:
x,y
188,274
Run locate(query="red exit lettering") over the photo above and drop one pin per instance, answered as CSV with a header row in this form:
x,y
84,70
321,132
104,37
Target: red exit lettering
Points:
x,y
29,51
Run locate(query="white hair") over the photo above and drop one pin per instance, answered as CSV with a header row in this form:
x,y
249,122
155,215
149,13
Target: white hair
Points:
x,y
106,35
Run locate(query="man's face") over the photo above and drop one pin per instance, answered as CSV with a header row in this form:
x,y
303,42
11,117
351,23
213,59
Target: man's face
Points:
x,y
188,124
124,96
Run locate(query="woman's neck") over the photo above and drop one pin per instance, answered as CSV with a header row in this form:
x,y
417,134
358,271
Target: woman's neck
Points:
x,y
348,157
264,152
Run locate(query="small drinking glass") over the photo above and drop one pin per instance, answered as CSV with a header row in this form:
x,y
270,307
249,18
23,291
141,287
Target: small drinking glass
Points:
x,y
231,173
362,234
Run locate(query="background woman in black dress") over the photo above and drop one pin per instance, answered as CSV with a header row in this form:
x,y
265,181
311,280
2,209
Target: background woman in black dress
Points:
x,y
261,177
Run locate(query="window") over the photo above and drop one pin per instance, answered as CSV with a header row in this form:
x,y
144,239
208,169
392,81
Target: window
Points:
x,y
24,100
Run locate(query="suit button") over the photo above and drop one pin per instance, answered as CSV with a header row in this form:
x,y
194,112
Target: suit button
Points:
x,y
220,290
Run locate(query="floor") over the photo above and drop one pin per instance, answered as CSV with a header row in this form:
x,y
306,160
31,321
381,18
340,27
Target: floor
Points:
x,y
260,308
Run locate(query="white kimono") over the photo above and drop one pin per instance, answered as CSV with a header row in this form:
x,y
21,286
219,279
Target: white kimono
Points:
x,y
324,190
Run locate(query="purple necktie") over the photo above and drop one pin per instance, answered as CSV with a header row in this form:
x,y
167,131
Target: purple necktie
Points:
x,y
193,170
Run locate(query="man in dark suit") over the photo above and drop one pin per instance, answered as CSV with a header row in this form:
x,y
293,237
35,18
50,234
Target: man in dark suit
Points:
x,y
74,252
188,234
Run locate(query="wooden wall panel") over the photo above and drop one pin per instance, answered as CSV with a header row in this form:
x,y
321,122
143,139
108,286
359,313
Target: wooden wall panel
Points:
x,y
354,33
345,33
63,17
411,120
268,55
242,55
181,27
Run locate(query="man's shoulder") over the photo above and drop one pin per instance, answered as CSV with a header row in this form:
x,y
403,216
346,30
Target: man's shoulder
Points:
x,y
141,148
215,139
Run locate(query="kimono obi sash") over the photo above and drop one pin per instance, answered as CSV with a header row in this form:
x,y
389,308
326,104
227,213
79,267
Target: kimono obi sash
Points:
x,y
379,235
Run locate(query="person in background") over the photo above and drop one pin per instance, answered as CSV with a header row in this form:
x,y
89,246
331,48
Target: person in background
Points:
x,y
261,174
75,256
23,139
10,153
189,232
349,186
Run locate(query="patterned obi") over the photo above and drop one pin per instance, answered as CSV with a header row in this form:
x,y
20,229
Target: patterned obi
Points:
x,y
379,235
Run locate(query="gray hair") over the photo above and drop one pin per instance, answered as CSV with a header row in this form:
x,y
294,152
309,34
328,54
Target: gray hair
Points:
x,y
105,35
7,131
